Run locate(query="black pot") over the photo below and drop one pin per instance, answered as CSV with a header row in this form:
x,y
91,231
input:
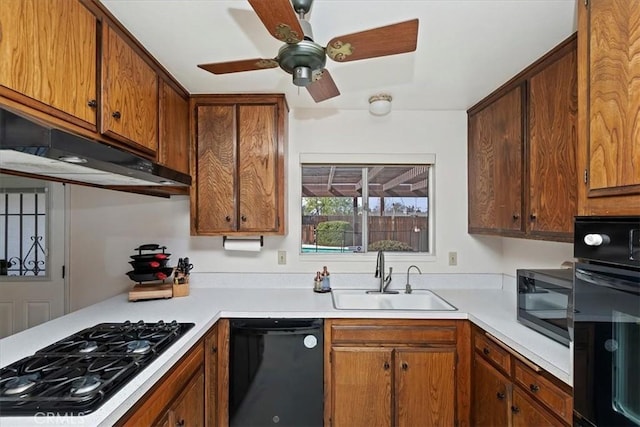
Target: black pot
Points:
x,y
148,266
150,257
158,274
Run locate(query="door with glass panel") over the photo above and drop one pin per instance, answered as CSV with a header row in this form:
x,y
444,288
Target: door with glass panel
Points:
x,y
32,252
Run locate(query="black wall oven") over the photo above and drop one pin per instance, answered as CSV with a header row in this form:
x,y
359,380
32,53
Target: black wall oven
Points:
x,y
606,322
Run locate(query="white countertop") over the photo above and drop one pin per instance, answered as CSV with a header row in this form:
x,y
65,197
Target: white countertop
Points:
x,y
486,304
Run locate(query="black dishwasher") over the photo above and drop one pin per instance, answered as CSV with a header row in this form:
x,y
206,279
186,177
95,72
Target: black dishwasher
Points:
x,y
276,372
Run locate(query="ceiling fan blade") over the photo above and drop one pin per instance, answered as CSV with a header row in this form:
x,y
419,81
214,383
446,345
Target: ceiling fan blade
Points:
x,y
382,41
279,19
322,87
238,66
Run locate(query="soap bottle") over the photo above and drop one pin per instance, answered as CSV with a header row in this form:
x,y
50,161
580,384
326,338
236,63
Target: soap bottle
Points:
x,y
317,282
326,285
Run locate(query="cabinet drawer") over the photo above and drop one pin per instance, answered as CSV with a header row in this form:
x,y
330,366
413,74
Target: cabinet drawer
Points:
x,y
493,352
545,391
393,332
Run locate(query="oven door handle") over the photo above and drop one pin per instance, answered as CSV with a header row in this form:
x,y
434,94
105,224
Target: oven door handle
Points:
x,y
608,281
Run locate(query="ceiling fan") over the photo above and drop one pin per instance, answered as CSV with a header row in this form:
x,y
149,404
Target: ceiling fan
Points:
x,y
303,58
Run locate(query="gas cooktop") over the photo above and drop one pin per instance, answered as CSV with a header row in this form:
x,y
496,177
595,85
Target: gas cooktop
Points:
x,y
77,374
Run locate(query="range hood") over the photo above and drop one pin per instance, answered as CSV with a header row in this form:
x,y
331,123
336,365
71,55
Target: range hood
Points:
x,y
27,147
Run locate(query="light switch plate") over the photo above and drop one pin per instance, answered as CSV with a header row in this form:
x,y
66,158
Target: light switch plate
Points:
x,y
453,258
282,257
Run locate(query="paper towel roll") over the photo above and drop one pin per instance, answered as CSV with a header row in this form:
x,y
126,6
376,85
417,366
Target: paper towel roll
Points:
x,y
249,245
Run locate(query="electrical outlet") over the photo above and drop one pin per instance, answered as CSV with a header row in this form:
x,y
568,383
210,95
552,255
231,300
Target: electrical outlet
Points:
x,y
282,257
453,258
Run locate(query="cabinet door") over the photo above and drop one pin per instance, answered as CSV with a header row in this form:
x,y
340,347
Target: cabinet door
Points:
x,y
495,165
491,395
425,387
189,408
552,174
258,168
527,413
173,144
215,201
614,98
48,51
129,96
361,386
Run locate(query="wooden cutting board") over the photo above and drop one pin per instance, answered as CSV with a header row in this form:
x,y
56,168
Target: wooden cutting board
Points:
x,y
154,291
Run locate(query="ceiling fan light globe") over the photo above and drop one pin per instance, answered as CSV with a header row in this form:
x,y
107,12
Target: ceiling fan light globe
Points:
x,y
302,76
380,105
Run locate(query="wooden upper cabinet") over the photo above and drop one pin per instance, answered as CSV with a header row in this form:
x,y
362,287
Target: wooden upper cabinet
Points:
x,y
522,152
258,168
495,165
553,119
239,166
173,145
609,70
48,51
129,95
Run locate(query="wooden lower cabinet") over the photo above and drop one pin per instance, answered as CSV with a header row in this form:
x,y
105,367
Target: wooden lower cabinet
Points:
x,y
395,373
177,399
216,359
511,391
491,395
188,409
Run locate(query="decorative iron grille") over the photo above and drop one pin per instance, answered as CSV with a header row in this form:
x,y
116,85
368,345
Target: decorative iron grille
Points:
x,y
23,227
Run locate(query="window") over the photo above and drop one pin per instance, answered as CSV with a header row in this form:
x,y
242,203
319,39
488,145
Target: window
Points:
x,y
358,208
23,227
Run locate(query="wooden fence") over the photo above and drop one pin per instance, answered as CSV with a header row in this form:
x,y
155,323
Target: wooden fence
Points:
x,y
412,230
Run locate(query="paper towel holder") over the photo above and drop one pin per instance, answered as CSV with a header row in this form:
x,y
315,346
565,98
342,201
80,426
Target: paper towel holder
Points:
x,y
224,239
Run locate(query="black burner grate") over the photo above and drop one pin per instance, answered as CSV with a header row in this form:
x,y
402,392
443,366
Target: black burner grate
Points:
x,y
76,375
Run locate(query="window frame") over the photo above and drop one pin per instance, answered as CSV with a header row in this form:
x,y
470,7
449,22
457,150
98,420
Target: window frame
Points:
x,y
368,159
42,187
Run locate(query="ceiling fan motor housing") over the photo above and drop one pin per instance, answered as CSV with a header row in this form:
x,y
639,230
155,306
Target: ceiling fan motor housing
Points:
x,y
301,60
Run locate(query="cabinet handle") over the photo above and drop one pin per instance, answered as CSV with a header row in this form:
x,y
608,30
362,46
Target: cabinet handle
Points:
x,y
214,349
533,217
116,115
227,218
92,103
180,423
486,351
243,218
404,366
386,366
500,395
534,387
516,217
515,409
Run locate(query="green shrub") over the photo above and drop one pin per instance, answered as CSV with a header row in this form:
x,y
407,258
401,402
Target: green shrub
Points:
x,y
332,233
390,245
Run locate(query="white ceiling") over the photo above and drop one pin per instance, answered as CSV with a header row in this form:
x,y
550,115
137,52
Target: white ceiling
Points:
x,y
466,48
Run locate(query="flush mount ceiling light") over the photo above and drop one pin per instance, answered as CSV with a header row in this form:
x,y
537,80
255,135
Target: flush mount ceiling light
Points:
x,y
380,105
73,159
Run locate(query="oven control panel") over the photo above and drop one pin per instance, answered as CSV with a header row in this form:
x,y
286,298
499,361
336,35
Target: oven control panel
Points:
x,y
613,240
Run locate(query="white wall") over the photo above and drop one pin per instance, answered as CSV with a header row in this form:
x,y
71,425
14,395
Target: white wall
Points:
x,y
106,225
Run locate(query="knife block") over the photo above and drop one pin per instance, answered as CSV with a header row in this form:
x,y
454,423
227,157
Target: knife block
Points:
x,y
180,285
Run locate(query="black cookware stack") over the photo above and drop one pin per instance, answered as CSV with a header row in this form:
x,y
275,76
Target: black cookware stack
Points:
x,y
150,264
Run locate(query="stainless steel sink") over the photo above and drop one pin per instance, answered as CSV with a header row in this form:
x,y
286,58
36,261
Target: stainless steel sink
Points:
x,y
359,299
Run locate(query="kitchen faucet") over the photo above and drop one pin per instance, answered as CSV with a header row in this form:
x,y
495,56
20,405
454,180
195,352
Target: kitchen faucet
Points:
x,y
407,287
384,281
